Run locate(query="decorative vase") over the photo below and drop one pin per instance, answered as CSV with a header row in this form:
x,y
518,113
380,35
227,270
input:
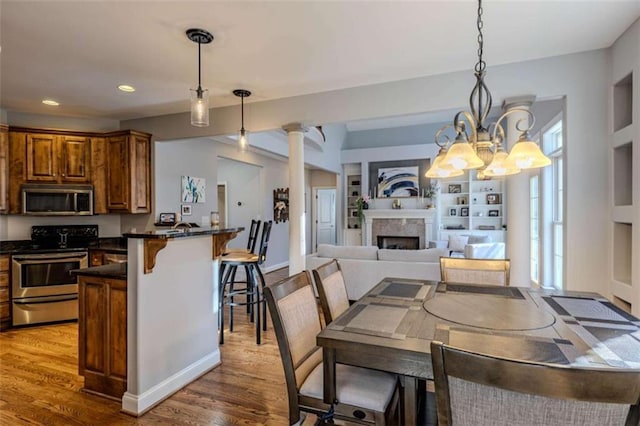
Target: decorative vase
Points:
x,y
365,205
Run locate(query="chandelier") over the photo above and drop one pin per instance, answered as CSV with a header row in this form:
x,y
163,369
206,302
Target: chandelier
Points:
x,y
483,148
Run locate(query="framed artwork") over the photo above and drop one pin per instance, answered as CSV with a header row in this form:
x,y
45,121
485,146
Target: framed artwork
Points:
x,y
494,199
280,205
167,218
455,188
494,213
464,211
462,200
453,212
398,179
193,189
186,210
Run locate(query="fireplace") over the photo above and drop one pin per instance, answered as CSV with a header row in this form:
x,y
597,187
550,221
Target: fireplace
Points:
x,y
415,223
398,242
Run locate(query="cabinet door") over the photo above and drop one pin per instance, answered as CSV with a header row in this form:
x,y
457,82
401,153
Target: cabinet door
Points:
x,y
4,169
42,158
5,302
119,172
142,173
76,159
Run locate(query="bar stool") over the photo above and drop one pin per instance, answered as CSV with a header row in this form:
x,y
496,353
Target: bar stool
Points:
x,y
252,291
251,242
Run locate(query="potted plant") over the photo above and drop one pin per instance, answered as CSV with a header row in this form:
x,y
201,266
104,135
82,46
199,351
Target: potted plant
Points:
x,y
362,203
431,193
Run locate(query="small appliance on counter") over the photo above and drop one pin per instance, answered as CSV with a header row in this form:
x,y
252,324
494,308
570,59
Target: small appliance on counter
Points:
x,y
43,288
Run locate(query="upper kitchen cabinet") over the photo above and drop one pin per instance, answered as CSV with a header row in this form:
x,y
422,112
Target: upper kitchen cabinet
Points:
x,y
58,158
4,169
128,163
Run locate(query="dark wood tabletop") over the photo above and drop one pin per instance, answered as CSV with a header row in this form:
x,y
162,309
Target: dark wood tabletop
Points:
x,y
392,326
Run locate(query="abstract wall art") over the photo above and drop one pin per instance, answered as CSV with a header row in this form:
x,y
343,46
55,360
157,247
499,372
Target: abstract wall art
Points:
x,y
193,189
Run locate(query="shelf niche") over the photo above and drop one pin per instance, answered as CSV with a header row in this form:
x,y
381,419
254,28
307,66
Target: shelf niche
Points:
x,y
622,254
623,103
623,175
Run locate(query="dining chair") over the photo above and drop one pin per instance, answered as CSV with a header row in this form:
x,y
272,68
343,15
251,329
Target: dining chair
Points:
x,y
251,293
331,290
478,389
363,396
475,271
251,242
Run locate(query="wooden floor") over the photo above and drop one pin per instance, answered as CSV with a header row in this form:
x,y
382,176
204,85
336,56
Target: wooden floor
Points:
x,y
39,382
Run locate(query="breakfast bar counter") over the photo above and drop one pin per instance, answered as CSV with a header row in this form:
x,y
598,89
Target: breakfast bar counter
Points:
x,y
172,311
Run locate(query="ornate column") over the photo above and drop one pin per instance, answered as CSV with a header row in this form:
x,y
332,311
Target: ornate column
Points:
x,y
297,241
517,208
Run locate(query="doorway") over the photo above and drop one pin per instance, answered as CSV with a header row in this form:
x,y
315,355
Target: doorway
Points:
x,y
324,220
222,203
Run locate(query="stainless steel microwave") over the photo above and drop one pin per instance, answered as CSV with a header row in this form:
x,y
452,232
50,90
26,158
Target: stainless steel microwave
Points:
x,y
57,200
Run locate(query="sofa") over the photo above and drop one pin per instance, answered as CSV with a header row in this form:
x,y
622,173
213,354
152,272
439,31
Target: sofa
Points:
x,y
365,266
471,247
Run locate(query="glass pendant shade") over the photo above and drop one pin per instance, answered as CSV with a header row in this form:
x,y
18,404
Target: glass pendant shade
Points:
x,y
499,166
527,155
243,139
461,156
199,107
439,170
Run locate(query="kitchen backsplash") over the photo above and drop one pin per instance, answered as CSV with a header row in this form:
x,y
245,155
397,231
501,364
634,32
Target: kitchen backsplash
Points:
x,y
17,227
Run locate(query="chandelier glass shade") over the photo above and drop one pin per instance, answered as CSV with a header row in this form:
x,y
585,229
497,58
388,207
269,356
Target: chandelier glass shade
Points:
x,y
482,150
243,135
199,96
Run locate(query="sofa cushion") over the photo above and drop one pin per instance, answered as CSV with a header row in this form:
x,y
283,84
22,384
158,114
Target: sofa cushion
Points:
x,y
479,239
348,252
426,255
457,242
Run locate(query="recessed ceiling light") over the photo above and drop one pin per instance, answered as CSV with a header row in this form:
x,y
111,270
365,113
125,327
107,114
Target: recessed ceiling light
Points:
x,y
50,102
126,88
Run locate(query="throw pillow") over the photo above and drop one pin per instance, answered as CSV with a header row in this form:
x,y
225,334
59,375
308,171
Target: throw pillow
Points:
x,y
479,239
457,242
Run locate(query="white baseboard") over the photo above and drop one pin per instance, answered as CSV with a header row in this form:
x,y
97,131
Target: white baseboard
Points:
x,y
138,404
275,267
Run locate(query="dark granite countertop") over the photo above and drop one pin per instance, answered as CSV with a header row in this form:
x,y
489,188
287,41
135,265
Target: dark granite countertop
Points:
x,y
111,270
112,245
180,233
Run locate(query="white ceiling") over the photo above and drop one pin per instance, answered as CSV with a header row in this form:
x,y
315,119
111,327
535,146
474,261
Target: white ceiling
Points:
x,y
78,52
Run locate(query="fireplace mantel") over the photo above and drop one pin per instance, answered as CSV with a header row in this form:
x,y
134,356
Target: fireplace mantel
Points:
x,y
427,215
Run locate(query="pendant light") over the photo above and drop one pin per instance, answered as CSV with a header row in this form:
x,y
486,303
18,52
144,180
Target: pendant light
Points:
x,y
483,149
199,96
243,137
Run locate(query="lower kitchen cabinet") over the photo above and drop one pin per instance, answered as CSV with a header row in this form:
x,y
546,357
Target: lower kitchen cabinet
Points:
x,y
5,300
102,325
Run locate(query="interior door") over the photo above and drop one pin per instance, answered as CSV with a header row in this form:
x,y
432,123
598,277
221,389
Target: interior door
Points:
x,y
325,216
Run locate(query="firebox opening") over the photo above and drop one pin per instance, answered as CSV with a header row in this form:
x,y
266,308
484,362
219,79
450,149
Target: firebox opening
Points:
x,y
398,242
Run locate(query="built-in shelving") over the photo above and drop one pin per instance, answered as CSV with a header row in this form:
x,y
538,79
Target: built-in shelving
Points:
x,y
353,190
472,206
624,155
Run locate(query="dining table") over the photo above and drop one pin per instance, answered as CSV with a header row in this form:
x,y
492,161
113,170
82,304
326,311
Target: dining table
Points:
x,y
391,328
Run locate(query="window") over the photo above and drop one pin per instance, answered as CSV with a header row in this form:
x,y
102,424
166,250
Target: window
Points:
x,y
534,217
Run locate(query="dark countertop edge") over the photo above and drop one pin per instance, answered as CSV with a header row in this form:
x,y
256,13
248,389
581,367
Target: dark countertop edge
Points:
x,y
194,232
111,270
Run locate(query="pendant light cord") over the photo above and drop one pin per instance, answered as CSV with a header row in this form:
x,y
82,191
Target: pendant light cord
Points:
x,y
199,72
242,112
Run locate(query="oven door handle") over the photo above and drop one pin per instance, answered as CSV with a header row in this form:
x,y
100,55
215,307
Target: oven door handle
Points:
x,y
52,256
45,299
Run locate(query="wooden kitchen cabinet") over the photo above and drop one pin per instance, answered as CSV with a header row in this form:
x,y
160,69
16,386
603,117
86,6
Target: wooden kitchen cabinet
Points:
x,y
128,160
5,299
52,158
102,340
4,169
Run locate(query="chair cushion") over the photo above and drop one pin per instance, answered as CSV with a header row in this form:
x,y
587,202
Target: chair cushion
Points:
x,y
471,403
356,386
457,242
426,255
336,293
348,252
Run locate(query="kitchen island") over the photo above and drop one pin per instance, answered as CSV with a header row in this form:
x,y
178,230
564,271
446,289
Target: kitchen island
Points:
x,y
172,311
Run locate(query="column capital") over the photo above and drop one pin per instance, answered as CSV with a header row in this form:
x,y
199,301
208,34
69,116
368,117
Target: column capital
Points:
x,y
294,127
524,101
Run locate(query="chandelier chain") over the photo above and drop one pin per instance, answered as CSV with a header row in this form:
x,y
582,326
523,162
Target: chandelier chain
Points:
x,y
481,65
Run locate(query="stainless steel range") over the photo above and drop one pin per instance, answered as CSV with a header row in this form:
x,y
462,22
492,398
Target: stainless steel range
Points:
x,y
44,290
